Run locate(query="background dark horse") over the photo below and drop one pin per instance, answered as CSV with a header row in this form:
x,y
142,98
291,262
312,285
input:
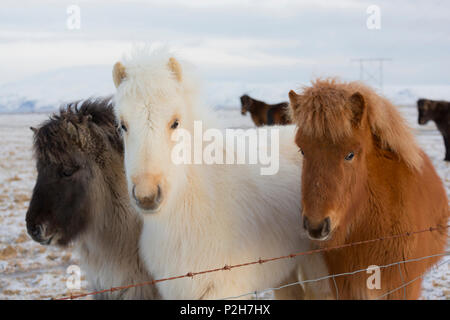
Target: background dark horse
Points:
x,y
263,113
439,112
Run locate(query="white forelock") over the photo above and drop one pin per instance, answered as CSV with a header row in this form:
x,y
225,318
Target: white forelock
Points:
x,y
149,77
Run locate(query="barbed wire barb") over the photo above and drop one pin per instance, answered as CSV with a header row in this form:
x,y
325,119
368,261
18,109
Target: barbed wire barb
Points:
x,y
262,261
346,274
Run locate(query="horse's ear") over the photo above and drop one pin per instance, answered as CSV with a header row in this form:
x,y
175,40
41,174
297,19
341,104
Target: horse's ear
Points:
x,y
72,130
358,106
294,99
118,73
87,118
175,67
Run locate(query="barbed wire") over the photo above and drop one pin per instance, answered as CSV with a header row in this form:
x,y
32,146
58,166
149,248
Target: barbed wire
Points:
x,y
411,281
260,261
344,274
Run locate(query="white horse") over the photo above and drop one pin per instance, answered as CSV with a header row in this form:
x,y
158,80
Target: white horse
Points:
x,y
199,217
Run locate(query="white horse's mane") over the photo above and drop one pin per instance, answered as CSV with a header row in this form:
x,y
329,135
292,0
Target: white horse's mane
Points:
x,y
149,78
148,74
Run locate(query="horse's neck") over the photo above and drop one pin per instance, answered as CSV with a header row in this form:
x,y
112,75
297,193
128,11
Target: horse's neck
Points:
x,y
200,183
256,105
113,249
195,198
441,115
124,223
281,105
384,190
115,227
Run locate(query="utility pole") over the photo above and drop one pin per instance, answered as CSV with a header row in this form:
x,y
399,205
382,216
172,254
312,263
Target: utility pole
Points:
x,y
367,74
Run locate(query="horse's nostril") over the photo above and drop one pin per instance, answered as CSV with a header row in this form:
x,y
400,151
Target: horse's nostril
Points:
x,y
158,195
133,192
326,227
151,202
305,223
35,231
321,231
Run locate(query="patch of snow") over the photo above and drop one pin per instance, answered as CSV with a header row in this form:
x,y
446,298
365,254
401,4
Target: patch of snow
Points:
x,y
31,271
46,91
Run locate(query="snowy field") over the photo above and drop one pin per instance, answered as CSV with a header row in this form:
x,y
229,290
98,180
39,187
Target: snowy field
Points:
x,y
31,271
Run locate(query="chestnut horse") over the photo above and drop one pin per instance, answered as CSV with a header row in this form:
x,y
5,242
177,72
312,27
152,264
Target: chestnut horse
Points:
x,y
263,113
365,177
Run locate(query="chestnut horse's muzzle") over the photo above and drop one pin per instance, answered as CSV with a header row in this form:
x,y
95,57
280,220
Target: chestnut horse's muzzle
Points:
x,y
319,231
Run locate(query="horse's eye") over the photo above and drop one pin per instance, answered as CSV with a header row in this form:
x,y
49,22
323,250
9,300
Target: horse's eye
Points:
x,y
68,172
301,150
349,156
175,124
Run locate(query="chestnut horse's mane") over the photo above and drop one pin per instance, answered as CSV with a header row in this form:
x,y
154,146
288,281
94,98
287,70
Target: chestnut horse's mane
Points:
x,y
324,111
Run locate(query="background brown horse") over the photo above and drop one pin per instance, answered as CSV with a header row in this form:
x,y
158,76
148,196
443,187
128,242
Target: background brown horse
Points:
x,y
263,113
278,114
364,177
439,112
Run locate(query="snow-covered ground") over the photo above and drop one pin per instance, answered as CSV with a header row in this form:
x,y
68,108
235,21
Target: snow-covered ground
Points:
x,y
27,269
31,271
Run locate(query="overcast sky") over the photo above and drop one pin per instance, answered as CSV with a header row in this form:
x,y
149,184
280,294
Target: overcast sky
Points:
x,y
240,40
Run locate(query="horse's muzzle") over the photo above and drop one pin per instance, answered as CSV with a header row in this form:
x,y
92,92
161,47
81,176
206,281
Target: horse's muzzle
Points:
x,y
150,204
422,121
319,231
38,234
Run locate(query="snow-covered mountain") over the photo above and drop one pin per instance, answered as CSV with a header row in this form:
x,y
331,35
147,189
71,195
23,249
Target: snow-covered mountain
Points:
x,y
402,95
47,91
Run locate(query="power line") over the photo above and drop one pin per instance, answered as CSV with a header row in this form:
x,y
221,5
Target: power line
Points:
x,y
367,74
348,274
260,261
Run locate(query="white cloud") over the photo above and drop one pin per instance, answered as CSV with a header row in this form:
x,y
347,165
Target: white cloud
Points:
x,y
39,56
268,36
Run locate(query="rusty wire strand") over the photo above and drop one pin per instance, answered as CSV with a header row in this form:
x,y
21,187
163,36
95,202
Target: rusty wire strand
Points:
x,y
333,276
411,281
259,261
